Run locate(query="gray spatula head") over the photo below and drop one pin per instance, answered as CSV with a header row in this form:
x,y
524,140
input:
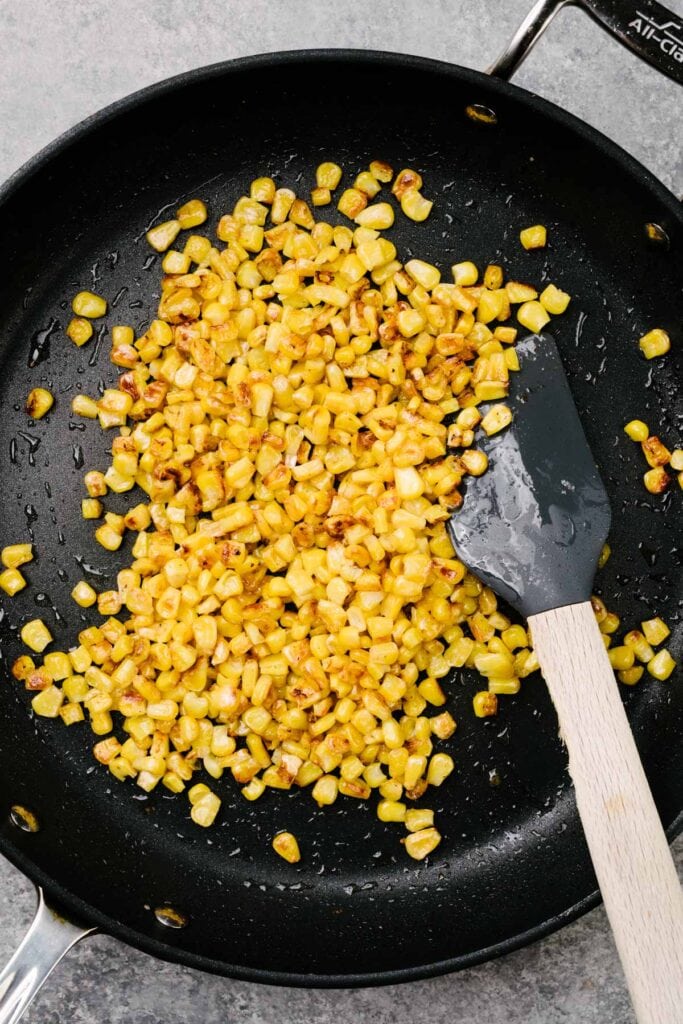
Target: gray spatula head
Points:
x,y
532,527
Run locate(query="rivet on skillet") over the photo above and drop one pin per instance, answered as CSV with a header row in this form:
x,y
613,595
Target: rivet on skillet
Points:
x,y
170,917
483,115
23,818
656,234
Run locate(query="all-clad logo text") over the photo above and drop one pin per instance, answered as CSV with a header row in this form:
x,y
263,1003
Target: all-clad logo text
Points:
x,y
667,35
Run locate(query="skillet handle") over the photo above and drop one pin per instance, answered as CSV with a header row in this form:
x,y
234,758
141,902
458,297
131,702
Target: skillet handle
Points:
x,y
644,26
44,945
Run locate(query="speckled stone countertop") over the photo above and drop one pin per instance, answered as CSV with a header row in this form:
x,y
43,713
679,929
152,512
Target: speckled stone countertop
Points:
x,y
60,61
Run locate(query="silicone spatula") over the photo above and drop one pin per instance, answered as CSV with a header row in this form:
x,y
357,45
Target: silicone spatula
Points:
x,y
532,528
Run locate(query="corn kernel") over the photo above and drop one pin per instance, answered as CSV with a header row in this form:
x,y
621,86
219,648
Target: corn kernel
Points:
x,y
36,635
533,316
662,665
15,555
655,631
655,343
287,847
84,595
12,581
79,331
554,300
190,215
534,237
160,238
485,704
87,304
415,206
420,844
39,403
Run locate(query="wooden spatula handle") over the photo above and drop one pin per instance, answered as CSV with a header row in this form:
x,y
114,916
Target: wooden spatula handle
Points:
x,y
632,861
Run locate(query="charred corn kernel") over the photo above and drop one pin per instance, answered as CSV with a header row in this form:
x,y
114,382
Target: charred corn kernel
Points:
x,y
554,300
12,581
604,555
351,202
23,666
621,658
15,555
534,237
415,206
630,676
91,508
655,343
662,665
656,480
485,704
84,595
496,419
39,403
637,430
418,818
286,845
533,316
79,331
379,216
87,304
328,175
48,702
655,631
391,810
190,215
421,843
161,237
36,635
81,405
204,810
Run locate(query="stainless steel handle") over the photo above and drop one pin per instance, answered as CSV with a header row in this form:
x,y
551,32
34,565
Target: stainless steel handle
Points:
x,y
644,26
45,943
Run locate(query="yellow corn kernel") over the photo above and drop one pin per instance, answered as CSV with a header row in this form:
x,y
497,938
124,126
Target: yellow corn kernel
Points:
x,y
621,658
253,790
662,665
553,300
15,555
108,538
655,343
485,704
415,206
676,460
287,847
378,217
328,175
640,646
534,237
474,462
58,664
175,262
321,196
423,273
48,702
440,767
533,316
23,667
84,595
391,810
71,713
91,508
79,331
36,635
87,304
204,810
630,676
430,689
381,171
421,843
655,631
443,726
190,215
161,237
81,405
418,818
637,430
465,274
39,403
12,581
496,419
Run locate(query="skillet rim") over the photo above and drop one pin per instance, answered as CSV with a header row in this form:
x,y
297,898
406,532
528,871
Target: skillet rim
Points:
x,y
79,910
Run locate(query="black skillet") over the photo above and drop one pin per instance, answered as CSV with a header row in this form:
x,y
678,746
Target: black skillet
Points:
x,y
513,865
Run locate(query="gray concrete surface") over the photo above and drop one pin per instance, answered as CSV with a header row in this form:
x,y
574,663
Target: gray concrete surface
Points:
x,y
63,59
